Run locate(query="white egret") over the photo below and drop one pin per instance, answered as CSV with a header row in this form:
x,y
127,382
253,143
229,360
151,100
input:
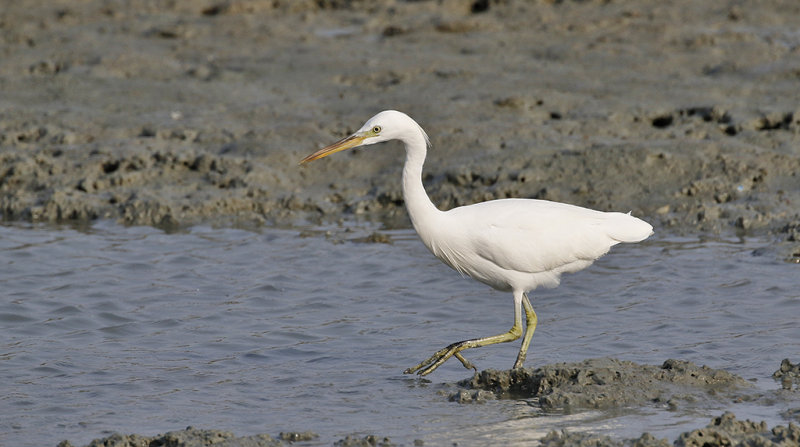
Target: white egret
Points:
x,y
512,245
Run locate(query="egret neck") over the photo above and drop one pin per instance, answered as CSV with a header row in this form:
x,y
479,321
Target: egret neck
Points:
x,y
421,210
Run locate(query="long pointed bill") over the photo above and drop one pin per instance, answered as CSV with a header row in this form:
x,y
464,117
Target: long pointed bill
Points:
x,y
344,143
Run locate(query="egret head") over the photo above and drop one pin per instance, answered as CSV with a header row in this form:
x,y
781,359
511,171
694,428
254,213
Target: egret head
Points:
x,y
385,126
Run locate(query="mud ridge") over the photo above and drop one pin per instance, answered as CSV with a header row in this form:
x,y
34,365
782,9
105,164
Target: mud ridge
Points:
x,y
605,383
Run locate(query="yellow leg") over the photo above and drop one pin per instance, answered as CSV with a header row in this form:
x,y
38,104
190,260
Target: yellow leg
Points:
x,y
441,356
530,321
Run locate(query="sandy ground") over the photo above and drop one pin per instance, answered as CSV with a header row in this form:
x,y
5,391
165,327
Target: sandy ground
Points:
x,y
178,112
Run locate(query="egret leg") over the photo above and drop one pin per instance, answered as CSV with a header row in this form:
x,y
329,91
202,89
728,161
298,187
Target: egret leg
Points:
x,y
530,326
441,356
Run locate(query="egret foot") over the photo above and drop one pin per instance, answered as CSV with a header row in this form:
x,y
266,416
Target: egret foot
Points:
x,y
467,364
440,357
454,350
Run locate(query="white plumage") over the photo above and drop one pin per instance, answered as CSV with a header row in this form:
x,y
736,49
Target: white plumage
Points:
x,y
511,245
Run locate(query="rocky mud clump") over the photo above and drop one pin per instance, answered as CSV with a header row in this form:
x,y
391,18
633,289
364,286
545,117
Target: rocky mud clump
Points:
x,y
605,383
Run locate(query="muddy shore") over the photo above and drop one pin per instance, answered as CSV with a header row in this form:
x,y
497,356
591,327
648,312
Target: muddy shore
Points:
x,y
178,113
170,115
602,383
722,431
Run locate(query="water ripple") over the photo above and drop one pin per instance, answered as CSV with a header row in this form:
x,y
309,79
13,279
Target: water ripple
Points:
x,y
130,329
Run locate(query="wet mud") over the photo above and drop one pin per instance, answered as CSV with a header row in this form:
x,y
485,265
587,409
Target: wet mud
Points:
x,y
722,431
684,113
188,437
788,375
602,383
193,437
605,383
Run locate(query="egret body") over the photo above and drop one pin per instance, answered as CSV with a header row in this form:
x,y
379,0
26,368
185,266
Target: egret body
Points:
x,y
513,245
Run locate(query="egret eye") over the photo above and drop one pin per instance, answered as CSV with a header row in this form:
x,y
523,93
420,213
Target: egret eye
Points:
x,y
376,129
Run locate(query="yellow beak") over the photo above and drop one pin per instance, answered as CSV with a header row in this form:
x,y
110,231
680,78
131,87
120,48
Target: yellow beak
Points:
x,y
344,143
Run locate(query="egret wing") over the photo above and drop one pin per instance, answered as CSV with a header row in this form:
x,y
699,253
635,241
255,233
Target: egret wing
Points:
x,y
535,236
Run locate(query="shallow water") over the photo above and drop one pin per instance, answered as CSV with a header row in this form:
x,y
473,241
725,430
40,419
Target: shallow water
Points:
x,y
133,330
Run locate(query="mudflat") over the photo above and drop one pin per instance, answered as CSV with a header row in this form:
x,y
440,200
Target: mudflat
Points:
x,y
172,114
